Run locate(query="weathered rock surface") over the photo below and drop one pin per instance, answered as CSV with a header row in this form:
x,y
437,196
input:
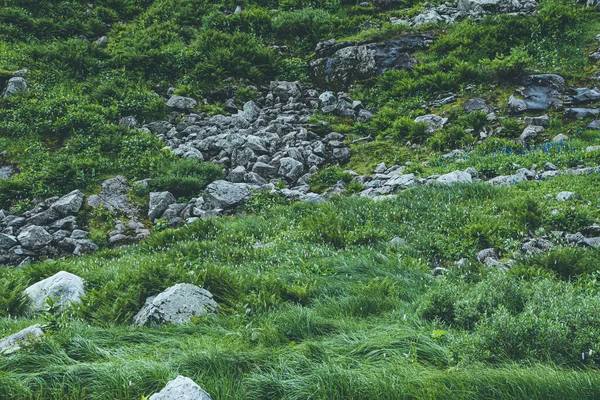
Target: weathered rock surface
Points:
x,y
541,92
27,336
113,197
177,304
181,388
14,86
338,65
63,288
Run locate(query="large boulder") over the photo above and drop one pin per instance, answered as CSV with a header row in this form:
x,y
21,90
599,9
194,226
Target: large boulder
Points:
x,y
7,241
338,65
286,90
113,197
34,237
63,288
182,103
15,85
290,169
177,304
455,177
227,195
542,92
181,388
27,336
68,204
159,203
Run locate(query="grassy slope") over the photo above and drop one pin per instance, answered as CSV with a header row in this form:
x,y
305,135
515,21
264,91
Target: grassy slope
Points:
x,y
326,308
315,301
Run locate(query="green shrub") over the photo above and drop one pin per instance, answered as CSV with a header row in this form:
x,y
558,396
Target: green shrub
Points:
x,y
328,177
185,177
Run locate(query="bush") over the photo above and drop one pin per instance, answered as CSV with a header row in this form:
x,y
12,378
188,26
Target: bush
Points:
x,y
328,177
185,177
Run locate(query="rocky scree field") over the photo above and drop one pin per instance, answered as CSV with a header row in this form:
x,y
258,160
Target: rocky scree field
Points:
x,y
299,199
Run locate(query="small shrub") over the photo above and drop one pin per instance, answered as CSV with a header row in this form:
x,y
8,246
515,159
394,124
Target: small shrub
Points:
x,y
186,177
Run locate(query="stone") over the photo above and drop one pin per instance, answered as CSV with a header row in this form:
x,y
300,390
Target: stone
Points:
x,y
543,120
536,246
129,122
6,172
339,65
485,254
251,111
68,204
14,86
286,90
290,169
177,305
560,138
581,113
566,196
84,246
230,106
506,180
159,202
328,102
181,388
63,287
428,17
114,197
34,237
264,170
7,241
455,177
182,103
542,92
25,337
226,195
434,122
476,104
530,134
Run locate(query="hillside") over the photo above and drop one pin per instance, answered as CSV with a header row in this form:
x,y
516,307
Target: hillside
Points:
x,y
292,199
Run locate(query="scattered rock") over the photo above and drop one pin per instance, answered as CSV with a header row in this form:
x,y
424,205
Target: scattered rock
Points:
x,y
34,237
434,122
182,103
14,86
177,304
181,388
63,287
455,177
227,195
159,202
566,196
25,337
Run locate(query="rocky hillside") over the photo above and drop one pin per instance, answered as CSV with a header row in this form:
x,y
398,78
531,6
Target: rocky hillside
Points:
x,y
295,199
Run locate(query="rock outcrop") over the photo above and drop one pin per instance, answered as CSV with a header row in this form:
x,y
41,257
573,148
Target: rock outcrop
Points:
x,y
63,288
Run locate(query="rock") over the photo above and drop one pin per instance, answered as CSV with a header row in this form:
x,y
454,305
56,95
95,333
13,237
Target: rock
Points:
x,y
475,104
113,197
455,177
63,287
84,246
230,107
338,65
34,237
397,241
25,337
14,86
542,92
560,138
79,234
428,17
506,180
177,304
251,111
583,95
290,169
485,254
6,172
69,204
286,90
237,174
594,124
328,102
129,122
159,202
543,120
102,41
181,388
7,241
227,195
565,196
536,246
265,170
581,113
530,134
434,122
182,103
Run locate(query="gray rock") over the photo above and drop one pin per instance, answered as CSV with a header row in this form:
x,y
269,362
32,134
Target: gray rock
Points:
x,y
7,241
543,120
227,195
25,337
84,246
69,204
14,86
530,134
182,103
338,65
265,170
560,138
177,305
581,113
129,122
181,388
428,17
476,104
506,180
6,172
159,202
485,254
328,102
434,122
237,174
251,111
34,237
63,287
290,169
113,197
543,92
455,177
536,246
565,196
286,90
79,234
